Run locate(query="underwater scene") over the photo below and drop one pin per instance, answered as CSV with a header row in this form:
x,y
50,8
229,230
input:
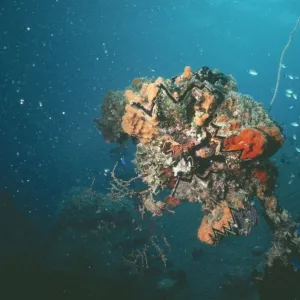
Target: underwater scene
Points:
x,y
150,149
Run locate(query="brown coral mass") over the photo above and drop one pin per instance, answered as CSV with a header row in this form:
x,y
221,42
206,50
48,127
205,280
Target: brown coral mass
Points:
x,y
135,123
209,101
146,95
205,107
187,74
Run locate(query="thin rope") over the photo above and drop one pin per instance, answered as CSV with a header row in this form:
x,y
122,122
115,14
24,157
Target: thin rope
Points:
x,y
280,62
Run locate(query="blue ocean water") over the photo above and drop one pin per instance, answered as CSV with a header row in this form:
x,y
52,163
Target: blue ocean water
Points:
x,y
58,61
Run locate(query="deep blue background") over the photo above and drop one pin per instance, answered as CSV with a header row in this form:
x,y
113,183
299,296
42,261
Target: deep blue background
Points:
x,y
67,55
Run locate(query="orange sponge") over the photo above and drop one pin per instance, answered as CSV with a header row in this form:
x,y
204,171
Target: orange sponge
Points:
x,y
146,95
220,219
250,141
136,123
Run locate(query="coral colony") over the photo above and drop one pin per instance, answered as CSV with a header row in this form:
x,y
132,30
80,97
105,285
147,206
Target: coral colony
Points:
x,y
203,141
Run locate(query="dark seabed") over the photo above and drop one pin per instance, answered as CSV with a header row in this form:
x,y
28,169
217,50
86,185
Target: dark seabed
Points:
x,y
72,226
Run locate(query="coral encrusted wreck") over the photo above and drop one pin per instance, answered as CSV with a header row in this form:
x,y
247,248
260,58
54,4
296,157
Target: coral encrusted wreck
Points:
x,y
201,139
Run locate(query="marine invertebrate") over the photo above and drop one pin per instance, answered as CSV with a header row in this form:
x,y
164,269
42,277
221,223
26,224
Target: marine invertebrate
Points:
x,y
204,105
187,74
136,123
250,142
146,96
219,222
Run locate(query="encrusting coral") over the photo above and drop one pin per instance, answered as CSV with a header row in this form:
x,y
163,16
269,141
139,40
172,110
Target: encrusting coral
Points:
x,y
204,142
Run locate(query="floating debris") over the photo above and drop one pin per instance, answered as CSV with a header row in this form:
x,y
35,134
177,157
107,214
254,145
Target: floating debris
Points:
x,y
288,95
297,149
295,124
289,91
291,77
294,137
253,72
295,96
283,66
